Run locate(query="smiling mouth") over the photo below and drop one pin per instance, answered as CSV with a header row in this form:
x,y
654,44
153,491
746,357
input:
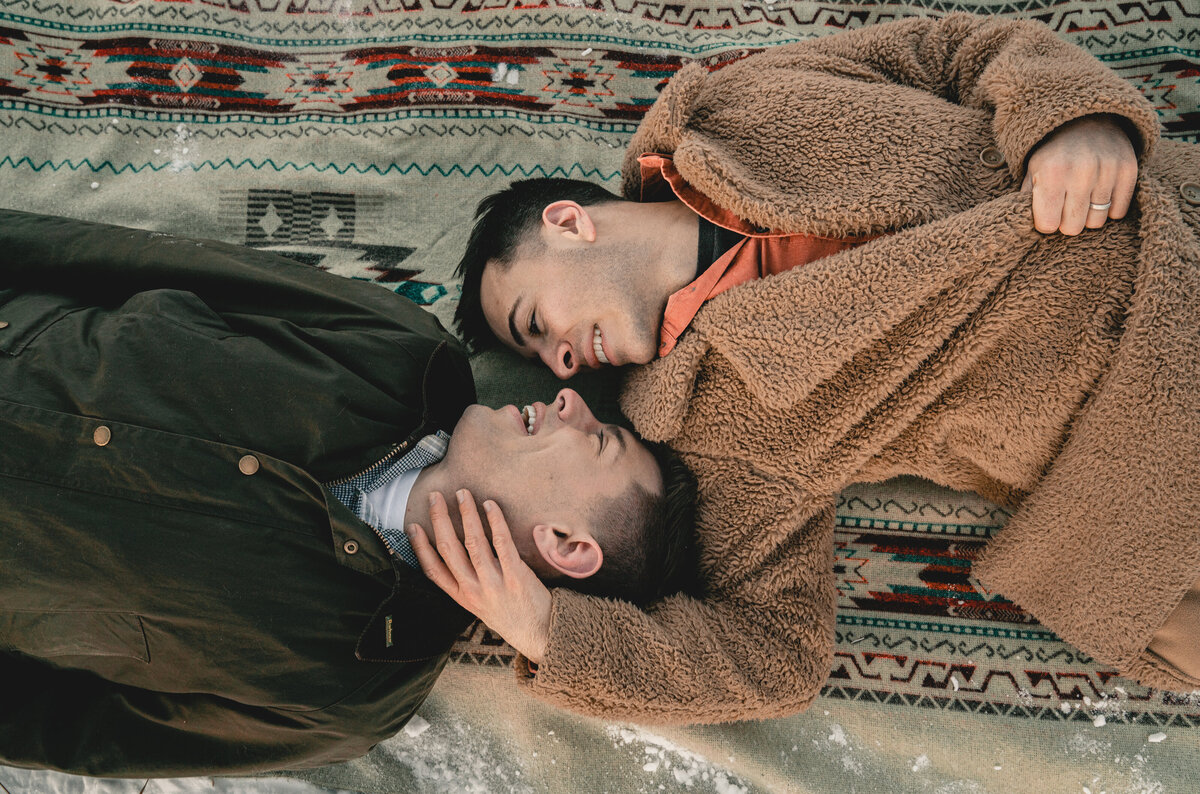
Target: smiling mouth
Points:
x,y
598,345
529,414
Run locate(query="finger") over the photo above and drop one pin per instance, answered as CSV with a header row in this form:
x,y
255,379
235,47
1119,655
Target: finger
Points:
x,y
1100,200
1122,194
1075,204
1047,206
1097,212
431,564
478,547
448,545
506,550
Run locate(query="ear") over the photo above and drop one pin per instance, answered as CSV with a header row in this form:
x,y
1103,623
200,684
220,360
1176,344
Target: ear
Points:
x,y
573,553
570,220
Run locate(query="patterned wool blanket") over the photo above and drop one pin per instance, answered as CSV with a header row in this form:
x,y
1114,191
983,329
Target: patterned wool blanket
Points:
x,y
358,135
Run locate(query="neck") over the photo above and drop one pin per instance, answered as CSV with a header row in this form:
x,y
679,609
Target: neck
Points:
x,y
666,235
435,477
675,231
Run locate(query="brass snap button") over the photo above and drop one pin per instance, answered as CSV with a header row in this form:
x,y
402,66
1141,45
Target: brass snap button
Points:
x,y
248,464
3,324
350,547
992,157
1191,193
102,435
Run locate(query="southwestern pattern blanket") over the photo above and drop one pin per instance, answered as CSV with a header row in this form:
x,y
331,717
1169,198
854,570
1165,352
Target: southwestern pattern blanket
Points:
x,y
358,135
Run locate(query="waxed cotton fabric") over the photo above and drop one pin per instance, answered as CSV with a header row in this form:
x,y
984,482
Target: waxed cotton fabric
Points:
x,y
177,594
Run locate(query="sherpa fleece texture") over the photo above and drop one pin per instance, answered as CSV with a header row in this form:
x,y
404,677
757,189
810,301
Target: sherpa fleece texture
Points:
x,y
1057,375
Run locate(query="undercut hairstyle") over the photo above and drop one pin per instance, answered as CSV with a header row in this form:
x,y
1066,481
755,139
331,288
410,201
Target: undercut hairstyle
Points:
x,y
647,539
503,221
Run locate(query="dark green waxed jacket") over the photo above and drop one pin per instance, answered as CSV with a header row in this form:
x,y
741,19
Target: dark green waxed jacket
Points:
x,y
178,592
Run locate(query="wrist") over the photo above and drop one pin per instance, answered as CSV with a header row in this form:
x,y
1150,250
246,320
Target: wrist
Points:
x,y
539,636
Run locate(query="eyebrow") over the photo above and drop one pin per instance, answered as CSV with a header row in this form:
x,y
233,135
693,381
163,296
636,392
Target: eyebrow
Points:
x,y
512,325
620,433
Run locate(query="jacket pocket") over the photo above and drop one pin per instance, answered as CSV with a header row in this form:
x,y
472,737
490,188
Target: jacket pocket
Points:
x,y
25,315
51,634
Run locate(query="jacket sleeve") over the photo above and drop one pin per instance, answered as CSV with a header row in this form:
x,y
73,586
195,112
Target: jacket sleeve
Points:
x,y
756,646
1019,72
102,263
880,128
74,721
1025,76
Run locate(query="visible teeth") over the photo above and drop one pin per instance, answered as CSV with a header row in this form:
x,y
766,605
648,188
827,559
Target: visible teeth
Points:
x,y
598,347
529,414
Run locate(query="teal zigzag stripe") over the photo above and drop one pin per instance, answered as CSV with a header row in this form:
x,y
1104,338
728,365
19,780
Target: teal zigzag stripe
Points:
x,y
268,164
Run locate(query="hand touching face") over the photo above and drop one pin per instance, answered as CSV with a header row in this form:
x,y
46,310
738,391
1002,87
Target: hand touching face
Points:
x,y
487,578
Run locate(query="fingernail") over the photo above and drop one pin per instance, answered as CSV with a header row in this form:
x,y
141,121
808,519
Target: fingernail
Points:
x,y
433,497
461,493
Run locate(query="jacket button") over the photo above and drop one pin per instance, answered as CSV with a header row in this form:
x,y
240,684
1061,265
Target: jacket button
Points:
x,y
1191,193
992,157
101,435
350,547
248,464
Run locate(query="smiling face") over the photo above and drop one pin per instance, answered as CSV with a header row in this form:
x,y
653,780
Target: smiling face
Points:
x,y
574,308
553,474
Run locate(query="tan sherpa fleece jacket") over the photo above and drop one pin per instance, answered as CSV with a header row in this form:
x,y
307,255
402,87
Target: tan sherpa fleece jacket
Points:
x,y
1059,376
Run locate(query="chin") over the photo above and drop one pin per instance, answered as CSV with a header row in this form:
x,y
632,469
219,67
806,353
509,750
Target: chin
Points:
x,y
477,428
643,356
475,414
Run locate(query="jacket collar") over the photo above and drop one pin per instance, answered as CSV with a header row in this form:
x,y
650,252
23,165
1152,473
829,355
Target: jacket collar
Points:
x,y
417,620
904,292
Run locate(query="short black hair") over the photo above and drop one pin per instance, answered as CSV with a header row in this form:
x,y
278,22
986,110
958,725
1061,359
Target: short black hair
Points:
x,y
502,221
648,539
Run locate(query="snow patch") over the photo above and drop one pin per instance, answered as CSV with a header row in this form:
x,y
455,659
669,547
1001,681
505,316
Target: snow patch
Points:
x,y
179,149
686,769
30,781
451,755
416,726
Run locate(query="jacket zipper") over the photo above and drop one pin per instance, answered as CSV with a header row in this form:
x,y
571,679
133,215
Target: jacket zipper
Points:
x,y
398,448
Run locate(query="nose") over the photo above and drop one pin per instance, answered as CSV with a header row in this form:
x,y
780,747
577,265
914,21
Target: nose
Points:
x,y
573,411
561,358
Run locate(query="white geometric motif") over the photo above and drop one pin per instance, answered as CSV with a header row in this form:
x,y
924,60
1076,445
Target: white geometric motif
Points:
x,y
186,74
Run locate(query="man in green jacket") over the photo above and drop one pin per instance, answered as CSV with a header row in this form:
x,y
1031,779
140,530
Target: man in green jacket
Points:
x,y
208,457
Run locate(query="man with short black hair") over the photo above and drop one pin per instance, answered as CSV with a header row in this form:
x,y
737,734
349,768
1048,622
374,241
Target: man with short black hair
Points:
x,y
210,456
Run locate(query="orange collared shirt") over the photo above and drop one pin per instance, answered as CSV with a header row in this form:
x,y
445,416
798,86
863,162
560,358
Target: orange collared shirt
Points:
x,y
760,252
